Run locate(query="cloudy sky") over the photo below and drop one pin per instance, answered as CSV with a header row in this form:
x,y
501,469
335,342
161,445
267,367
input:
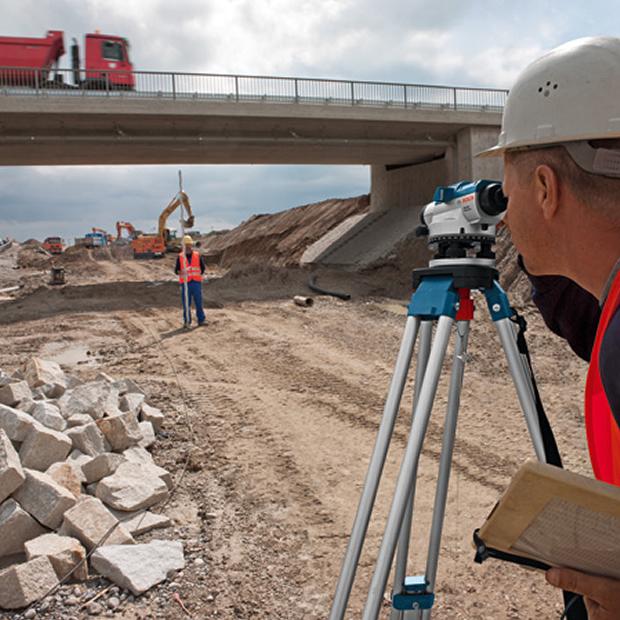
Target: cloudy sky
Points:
x,y
453,42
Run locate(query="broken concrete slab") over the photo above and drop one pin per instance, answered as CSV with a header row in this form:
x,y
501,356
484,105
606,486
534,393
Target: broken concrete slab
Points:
x,y
49,415
42,497
152,415
66,475
89,521
14,393
139,567
101,466
148,434
16,527
132,401
143,457
22,584
38,372
96,398
88,439
44,446
11,473
125,386
16,423
142,521
64,552
131,487
121,430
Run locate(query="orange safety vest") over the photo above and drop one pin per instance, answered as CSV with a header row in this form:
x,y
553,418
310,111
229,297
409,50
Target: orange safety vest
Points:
x,y
193,271
601,426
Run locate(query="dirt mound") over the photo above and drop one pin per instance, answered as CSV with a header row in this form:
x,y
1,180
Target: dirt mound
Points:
x,y
33,257
281,238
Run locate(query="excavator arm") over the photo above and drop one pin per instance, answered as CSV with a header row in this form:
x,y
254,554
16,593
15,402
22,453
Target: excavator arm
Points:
x,y
181,199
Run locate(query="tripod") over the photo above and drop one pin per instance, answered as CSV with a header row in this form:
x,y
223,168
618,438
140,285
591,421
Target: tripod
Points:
x,y
443,295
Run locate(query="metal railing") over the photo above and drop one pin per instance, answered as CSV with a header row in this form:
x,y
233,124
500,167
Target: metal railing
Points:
x,y
245,88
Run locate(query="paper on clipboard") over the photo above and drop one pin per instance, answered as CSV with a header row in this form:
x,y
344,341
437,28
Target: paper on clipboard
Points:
x,y
559,518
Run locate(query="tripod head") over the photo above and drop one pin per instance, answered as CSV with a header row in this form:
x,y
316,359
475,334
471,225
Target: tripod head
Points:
x,y
461,222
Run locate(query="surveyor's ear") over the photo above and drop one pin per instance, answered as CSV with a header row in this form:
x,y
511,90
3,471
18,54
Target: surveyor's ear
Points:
x,y
546,190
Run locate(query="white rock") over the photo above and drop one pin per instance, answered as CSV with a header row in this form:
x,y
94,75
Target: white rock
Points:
x,y
96,398
79,419
139,567
131,487
66,475
104,376
131,401
53,390
142,521
89,521
14,393
16,423
22,584
143,457
40,372
121,430
101,466
44,446
65,554
44,498
148,434
11,473
49,415
125,386
152,415
88,439
16,527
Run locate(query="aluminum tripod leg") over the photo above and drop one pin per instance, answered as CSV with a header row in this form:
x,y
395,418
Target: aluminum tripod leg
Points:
x,y
373,476
523,384
445,462
408,469
400,570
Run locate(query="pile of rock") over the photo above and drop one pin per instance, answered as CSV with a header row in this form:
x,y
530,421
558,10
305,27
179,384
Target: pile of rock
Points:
x,y
74,467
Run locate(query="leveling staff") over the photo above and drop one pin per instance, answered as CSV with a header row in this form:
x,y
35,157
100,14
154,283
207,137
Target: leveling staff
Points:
x,y
190,267
560,141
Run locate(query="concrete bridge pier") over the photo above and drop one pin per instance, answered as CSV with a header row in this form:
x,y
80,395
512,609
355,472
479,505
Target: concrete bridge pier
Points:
x,y
398,193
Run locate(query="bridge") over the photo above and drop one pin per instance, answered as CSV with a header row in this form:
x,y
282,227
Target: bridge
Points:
x,y
413,136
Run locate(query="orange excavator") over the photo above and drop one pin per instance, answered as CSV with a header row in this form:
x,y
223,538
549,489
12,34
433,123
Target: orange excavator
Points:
x,y
131,231
155,246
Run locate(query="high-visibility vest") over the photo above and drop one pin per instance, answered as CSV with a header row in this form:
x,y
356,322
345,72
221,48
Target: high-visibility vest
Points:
x,y
193,270
601,427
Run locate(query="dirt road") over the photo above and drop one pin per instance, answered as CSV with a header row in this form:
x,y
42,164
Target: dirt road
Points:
x,y
279,407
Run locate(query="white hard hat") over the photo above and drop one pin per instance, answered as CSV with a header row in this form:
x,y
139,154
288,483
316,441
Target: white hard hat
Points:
x,y
187,240
570,94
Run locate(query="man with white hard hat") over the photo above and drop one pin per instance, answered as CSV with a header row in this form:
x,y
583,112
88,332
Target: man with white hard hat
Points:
x,y
190,268
560,141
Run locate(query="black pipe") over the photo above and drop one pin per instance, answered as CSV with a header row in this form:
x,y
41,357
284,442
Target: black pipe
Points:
x,y
312,285
75,62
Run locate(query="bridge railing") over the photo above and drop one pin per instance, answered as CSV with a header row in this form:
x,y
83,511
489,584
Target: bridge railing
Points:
x,y
244,88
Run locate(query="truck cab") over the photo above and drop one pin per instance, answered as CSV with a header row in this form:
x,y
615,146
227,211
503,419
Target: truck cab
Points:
x,y
106,61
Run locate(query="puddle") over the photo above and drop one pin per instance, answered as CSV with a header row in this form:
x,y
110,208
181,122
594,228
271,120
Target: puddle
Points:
x,y
68,354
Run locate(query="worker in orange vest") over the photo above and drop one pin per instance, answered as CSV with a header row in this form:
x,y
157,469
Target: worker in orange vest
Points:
x,y
560,141
190,268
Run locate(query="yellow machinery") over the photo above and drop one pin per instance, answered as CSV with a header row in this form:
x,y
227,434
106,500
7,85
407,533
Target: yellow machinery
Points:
x,y
155,246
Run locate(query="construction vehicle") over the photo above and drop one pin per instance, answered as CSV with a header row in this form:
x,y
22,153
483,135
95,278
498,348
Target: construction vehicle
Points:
x,y
53,245
33,62
155,246
131,231
94,240
108,237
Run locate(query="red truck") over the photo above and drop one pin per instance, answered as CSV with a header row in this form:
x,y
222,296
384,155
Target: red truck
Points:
x,y
33,62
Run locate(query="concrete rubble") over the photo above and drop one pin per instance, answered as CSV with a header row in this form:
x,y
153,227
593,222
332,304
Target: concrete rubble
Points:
x,y
74,469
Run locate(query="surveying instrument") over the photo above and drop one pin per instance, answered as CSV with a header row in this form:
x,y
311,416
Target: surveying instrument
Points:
x,y
460,225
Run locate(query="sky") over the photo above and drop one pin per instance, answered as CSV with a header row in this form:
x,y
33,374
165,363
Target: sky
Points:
x,y
450,42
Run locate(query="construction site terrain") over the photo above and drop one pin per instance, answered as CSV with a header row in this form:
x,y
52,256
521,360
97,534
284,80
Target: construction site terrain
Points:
x,y
271,412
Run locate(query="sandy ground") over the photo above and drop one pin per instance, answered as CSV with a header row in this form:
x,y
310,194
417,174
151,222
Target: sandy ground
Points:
x,y
279,407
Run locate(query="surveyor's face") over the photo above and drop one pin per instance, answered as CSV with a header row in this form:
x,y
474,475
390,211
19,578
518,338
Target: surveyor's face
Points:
x,y
188,248
524,219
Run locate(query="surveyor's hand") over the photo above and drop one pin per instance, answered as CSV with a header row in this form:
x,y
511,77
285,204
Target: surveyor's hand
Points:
x,y
601,595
